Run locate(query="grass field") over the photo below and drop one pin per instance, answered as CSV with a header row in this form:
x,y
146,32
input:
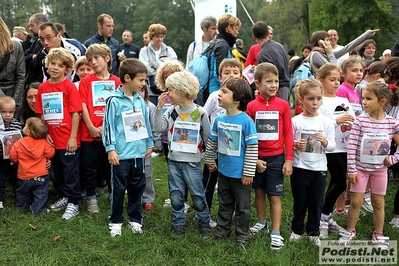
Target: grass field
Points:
x,y
48,240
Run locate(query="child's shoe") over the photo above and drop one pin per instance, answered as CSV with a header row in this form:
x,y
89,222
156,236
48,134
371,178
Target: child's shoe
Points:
x,y
212,223
367,203
276,242
186,207
167,203
1,205
379,240
294,237
205,230
178,230
71,211
343,213
323,229
136,227
258,227
394,222
59,204
315,240
92,205
346,237
115,229
332,225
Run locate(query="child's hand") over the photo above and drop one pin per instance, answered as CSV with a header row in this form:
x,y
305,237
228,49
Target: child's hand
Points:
x,y
387,162
113,158
344,119
162,99
48,164
95,132
72,145
352,178
287,168
148,152
320,137
260,166
49,140
247,180
212,167
301,145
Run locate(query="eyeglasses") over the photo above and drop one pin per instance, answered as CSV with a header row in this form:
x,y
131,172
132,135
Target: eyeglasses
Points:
x,y
47,38
31,97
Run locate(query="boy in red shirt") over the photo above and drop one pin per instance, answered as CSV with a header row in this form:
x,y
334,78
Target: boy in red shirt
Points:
x,y
272,117
94,89
58,103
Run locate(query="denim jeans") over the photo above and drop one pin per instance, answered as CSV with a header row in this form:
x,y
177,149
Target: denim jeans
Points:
x,y
182,175
36,187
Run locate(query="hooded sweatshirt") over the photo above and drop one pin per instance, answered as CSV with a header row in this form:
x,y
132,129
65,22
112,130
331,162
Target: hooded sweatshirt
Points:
x,y
31,155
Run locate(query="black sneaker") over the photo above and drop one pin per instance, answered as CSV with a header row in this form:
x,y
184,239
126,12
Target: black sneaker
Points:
x,y
205,230
242,244
178,230
219,238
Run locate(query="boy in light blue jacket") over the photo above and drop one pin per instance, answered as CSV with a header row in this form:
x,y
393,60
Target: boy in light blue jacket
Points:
x,y
127,138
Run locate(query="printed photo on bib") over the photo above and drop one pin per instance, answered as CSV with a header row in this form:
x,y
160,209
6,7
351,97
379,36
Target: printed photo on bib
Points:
x,y
267,125
313,150
229,139
53,106
357,108
185,137
374,148
101,90
134,125
8,139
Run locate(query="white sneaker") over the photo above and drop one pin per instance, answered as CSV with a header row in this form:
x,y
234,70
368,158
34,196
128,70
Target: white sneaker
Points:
x,y
212,223
276,242
186,207
258,227
346,237
71,211
394,222
367,206
59,204
1,205
92,205
380,241
315,239
323,229
167,203
136,227
294,237
115,229
154,154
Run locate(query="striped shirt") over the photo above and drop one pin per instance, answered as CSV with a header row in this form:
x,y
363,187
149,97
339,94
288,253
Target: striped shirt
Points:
x,y
13,125
363,124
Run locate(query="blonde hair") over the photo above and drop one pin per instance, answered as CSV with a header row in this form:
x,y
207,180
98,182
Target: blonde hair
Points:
x,y
325,70
37,127
155,29
99,49
303,87
227,19
184,83
6,43
62,54
81,61
170,66
6,100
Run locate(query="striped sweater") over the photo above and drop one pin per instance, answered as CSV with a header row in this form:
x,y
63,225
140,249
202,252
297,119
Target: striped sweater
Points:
x,y
364,124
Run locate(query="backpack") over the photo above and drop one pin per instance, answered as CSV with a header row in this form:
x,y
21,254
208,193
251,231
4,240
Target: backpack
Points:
x,y
304,71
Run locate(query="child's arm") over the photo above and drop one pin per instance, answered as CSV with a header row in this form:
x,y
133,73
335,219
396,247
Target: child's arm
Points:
x,y
161,121
250,159
49,151
149,140
14,153
210,154
288,141
72,143
353,145
108,133
393,159
94,131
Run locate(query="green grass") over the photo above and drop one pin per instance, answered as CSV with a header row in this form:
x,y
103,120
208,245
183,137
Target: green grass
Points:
x,y
29,240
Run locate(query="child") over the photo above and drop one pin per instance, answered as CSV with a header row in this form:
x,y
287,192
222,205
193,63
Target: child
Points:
x,y
340,112
148,197
272,117
7,169
188,127
82,69
128,140
374,72
59,104
233,139
229,68
31,154
308,177
95,169
366,162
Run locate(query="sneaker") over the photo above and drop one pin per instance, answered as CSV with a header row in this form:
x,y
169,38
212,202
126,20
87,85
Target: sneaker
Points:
x,y
136,227
167,203
219,238
276,242
323,229
294,237
71,211
115,229
205,230
212,223
315,240
92,205
59,204
367,203
45,210
343,213
346,237
244,244
394,222
99,190
186,207
83,194
154,154
258,227
178,230
347,203
332,225
148,206
379,240
391,175
1,205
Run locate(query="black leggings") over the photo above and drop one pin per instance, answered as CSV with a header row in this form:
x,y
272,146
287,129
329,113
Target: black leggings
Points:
x,y
337,166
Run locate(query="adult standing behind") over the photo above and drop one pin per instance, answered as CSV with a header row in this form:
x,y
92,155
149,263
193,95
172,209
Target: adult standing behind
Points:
x,y
50,38
12,65
146,38
28,102
128,49
239,52
255,49
208,26
274,53
367,51
154,55
334,37
34,64
105,26
19,34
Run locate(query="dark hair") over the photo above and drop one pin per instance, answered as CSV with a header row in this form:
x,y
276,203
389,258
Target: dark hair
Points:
x,y
377,67
363,46
59,26
306,46
39,17
241,91
131,67
25,111
260,30
316,36
350,62
383,91
49,24
263,68
146,96
393,70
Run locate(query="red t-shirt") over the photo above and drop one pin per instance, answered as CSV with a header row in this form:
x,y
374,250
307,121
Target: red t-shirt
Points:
x,y
253,55
100,88
56,102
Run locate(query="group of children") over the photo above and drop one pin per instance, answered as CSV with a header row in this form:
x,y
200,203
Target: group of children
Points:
x,y
102,127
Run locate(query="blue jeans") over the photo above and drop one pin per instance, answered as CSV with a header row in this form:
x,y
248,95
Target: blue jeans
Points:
x,y
36,187
182,175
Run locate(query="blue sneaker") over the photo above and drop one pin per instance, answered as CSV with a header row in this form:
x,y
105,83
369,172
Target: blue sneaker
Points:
x,y
59,204
259,227
71,211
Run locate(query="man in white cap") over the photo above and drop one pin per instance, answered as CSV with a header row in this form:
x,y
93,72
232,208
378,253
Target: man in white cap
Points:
x,y
19,34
